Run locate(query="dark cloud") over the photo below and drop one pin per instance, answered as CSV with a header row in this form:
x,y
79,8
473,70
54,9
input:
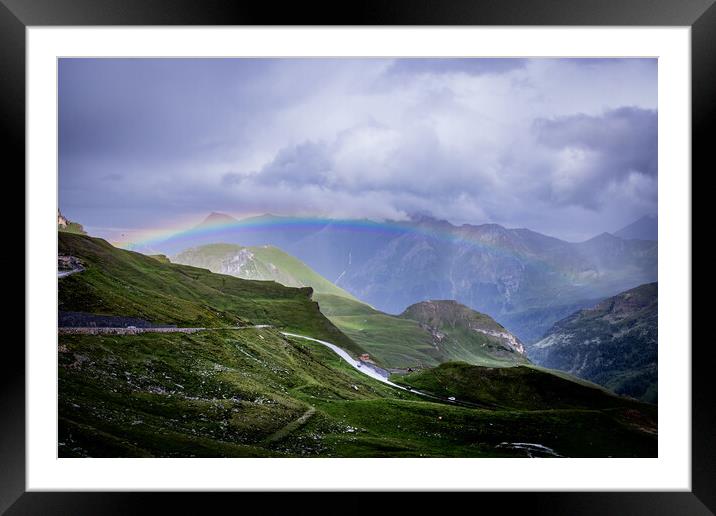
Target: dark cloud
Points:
x,y
160,109
627,135
541,143
597,151
307,163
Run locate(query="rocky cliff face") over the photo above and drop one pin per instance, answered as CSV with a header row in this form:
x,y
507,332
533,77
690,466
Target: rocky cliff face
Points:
x,y
613,344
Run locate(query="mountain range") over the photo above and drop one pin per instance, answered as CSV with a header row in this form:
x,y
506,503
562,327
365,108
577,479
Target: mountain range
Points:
x,y
646,228
522,278
613,343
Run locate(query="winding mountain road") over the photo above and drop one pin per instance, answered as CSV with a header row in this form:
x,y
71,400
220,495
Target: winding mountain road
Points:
x,y
368,371
376,375
362,367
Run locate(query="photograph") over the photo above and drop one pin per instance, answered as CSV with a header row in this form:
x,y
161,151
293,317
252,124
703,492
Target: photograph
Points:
x,y
357,257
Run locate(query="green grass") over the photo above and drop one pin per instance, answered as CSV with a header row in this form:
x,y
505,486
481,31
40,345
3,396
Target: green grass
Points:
x,y
266,263
520,387
245,393
402,342
162,258
125,283
392,341
72,227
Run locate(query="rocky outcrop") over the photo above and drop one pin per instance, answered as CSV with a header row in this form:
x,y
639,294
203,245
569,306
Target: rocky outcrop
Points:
x,y
61,220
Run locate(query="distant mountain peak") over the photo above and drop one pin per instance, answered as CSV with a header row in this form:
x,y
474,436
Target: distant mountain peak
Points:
x,y
215,218
427,218
605,237
645,228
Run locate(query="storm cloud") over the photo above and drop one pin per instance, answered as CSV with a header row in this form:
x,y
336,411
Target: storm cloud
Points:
x,y
596,152
564,147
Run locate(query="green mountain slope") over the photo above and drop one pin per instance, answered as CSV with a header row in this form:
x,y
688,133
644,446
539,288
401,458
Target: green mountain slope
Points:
x,y
613,344
258,263
426,334
128,284
394,341
253,392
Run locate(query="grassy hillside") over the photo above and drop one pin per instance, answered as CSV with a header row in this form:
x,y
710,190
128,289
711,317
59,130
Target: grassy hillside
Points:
x,y
252,392
403,341
260,263
163,258
525,388
124,283
393,341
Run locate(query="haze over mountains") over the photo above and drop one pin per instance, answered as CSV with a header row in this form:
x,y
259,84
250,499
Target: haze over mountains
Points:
x,y
524,279
646,228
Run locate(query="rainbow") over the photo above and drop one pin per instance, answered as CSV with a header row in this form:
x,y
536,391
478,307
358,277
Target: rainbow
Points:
x,y
439,231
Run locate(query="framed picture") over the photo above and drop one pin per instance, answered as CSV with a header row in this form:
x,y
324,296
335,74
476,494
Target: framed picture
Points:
x,y
411,249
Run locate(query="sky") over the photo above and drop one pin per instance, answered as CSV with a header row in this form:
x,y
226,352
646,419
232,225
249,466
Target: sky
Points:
x,y
566,147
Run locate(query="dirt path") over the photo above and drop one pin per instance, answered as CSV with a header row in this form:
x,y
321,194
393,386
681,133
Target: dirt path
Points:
x,y
291,427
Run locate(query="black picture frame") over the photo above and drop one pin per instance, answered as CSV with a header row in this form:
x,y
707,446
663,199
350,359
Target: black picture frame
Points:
x,y
700,15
